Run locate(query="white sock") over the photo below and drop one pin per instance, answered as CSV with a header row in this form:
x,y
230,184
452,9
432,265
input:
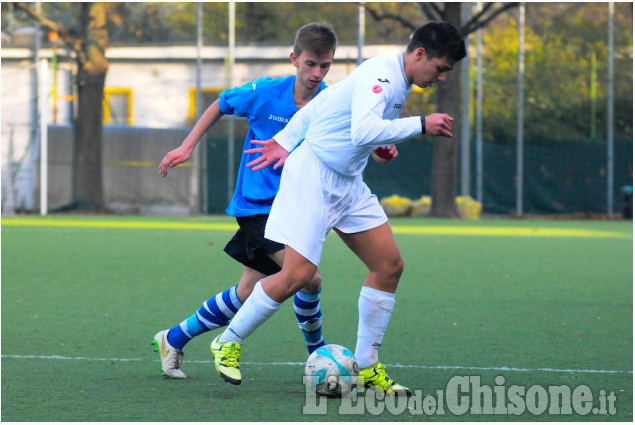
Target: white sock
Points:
x,y
375,309
255,311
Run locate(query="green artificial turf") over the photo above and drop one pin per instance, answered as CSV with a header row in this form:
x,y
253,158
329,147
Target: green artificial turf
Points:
x,y
544,303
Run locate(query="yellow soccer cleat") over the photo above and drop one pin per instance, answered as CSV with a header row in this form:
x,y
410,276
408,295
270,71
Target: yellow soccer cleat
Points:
x,y
375,378
226,357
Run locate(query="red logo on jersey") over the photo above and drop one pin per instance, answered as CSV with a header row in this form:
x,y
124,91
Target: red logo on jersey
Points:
x,y
377,89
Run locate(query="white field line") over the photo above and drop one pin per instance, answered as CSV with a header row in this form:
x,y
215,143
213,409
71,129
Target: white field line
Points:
x,y
484,368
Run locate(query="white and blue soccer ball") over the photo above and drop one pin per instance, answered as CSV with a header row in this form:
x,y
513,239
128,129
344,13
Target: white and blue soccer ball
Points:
x,y
331,370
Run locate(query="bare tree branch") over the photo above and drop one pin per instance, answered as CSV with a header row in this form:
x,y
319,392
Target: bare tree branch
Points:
x,y
476,18
432,11
380,16
427,11
73,43
76,44
435,12
478,21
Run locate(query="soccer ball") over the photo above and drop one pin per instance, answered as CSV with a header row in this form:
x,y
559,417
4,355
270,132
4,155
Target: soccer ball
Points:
x,y
331,370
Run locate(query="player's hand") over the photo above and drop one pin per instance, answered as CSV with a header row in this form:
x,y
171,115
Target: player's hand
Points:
x,y
172,159
384,154
271,152
439,125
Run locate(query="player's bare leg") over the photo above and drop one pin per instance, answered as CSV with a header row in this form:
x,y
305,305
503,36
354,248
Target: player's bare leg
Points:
x,y
247,282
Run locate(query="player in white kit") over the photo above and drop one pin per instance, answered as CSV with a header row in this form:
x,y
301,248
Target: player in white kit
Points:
x,y
322,189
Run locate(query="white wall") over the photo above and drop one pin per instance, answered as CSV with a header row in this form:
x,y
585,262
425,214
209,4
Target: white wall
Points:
x,y
160,79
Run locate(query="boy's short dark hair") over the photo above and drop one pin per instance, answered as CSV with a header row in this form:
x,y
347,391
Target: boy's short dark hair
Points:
x,y
441,39
317,37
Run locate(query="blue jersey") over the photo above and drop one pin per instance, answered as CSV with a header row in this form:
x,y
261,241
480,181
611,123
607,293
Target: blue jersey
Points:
x,y
268,105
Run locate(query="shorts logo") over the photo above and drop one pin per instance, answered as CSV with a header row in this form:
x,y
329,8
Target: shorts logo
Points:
x,y
377,89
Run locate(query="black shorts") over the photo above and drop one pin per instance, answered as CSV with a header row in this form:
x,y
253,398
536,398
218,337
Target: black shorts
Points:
x,y
250,247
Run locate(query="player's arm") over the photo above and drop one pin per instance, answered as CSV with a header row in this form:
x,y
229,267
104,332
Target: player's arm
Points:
x,y
181,154
368,127
370,99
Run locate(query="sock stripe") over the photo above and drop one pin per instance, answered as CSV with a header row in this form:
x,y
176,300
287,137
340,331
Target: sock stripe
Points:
x,y
317,343
306,296
227,300
317,332
219,302
235,301
210,324
193,326
213,314
298,303
302,318
307,312
183,327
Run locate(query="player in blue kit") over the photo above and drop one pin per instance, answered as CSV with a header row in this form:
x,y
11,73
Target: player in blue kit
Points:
x,y
268,104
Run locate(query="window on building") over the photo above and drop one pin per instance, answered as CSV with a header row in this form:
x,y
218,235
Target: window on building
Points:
x,y
117,106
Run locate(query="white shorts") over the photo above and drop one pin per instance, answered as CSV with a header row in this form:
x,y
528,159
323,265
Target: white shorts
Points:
x,y
313,199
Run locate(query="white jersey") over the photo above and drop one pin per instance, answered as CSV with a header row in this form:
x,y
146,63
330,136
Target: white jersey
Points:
x,y
346,121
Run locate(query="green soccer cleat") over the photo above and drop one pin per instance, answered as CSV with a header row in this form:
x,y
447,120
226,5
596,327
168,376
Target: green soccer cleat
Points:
x,y
375,378
226,357
171,358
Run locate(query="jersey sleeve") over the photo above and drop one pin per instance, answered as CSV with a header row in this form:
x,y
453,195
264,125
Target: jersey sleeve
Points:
x,y
370,99
240,100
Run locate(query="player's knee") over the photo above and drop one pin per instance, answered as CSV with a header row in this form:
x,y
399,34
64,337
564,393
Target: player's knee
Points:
x,y
394,268
400,265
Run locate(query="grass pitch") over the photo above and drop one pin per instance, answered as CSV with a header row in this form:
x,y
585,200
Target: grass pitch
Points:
x,y
538,303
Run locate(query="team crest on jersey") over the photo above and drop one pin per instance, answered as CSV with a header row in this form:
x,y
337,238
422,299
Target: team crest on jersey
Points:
x,y
377,88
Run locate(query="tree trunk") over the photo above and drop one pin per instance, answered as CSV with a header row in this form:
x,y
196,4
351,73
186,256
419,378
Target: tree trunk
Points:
x,y
88,193
445,153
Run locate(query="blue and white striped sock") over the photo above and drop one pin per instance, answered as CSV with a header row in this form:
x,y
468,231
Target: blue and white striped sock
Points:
x,y
215,313
309,317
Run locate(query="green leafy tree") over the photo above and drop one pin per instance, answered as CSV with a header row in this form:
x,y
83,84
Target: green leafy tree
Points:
x,y
560,41
448,95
